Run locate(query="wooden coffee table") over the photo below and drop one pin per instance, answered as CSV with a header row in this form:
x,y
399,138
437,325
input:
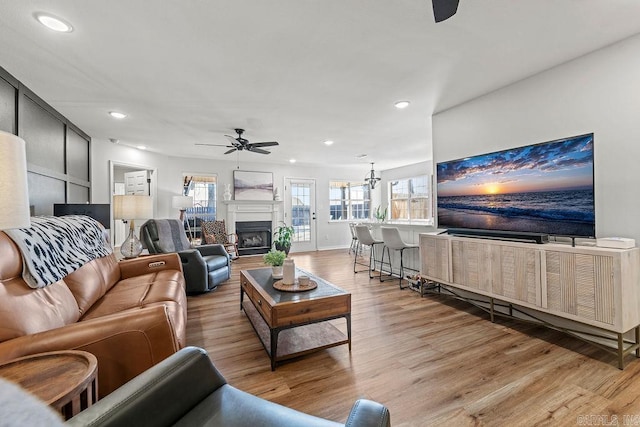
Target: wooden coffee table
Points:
x,y
65,380
292,324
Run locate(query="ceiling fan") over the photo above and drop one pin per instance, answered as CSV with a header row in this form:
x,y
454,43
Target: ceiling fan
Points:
x,y
444,9
240,143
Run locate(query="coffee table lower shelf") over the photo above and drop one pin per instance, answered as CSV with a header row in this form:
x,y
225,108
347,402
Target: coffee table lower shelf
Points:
x,y
295,340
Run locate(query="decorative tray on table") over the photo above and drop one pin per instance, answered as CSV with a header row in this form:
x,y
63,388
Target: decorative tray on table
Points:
x,y
295,287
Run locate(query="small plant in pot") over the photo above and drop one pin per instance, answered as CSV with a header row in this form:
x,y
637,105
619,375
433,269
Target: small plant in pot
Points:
x,y
282,238
275,259
379,214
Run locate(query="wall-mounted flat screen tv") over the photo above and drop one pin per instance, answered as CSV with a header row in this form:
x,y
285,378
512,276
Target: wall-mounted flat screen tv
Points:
x,y
541,188
101,212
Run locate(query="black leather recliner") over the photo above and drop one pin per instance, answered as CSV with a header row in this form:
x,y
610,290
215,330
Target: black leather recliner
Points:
x,y
186,389
204,267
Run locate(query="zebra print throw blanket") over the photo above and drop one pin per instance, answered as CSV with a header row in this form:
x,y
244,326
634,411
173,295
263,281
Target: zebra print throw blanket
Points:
x,y
53,247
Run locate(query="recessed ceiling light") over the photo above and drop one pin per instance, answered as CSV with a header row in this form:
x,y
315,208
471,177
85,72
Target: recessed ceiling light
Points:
x,y
328,142
53,23
292,160
401,104
117,115
141,147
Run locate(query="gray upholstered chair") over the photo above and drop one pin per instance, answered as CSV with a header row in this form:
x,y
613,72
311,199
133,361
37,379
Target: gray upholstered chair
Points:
x,y
204,267
186,389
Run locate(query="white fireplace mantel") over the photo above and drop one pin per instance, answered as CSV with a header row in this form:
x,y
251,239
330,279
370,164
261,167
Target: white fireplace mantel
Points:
x,y
252,210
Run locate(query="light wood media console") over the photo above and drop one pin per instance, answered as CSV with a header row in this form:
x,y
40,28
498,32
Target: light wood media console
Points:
x,y
591,293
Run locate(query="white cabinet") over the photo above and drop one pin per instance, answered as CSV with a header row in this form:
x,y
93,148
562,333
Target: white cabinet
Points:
x,y
497,269
434,258
593,286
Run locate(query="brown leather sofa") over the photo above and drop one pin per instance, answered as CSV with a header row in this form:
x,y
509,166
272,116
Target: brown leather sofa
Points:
x,y
130,314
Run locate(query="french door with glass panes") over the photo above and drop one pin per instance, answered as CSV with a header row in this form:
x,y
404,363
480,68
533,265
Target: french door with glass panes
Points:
x,y
300,212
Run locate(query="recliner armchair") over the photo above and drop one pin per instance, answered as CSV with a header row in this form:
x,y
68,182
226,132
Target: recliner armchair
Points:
x,y
186,389
204,267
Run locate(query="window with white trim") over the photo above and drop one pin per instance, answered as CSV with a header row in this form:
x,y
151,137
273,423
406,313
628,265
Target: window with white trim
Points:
x,y
203,189
349,201
410,199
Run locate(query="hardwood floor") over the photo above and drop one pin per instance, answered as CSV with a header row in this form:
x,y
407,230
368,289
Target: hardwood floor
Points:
x,y
431,360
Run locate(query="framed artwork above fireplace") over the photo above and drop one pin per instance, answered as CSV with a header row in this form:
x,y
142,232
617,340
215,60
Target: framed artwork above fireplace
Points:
x,y
249,185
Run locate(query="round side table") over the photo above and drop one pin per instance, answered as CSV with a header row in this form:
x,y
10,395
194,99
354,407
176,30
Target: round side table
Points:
x,y
65,380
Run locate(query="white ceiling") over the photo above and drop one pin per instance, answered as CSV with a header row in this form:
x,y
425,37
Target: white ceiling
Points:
x,y
295,71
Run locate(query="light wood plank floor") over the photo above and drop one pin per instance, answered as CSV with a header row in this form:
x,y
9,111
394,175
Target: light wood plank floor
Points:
x,y
431,360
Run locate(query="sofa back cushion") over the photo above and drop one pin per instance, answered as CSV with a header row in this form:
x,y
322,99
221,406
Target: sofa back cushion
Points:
x,y
90,282
24,310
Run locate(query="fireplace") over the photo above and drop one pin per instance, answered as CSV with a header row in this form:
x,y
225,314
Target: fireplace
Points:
x,y
254,237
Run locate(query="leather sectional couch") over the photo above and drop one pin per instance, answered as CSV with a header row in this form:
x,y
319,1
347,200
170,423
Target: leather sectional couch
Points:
x,y
130,314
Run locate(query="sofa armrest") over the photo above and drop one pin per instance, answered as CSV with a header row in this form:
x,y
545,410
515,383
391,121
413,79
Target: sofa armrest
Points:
x,y
125,343
159,396
212,249
368,413
149,264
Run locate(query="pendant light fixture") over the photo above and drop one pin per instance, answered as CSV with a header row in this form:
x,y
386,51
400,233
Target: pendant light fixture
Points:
x,y
372,179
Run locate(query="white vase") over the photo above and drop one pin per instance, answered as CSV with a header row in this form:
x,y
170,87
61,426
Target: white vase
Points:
x,y
227,192
276,271
288,272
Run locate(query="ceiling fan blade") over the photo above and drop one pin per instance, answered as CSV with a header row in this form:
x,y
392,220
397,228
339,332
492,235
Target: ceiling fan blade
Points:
x,y
230,151
264,144
258,150
232,140
444,9
210,145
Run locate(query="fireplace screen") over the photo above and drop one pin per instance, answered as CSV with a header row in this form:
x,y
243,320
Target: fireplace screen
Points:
x,y
254,237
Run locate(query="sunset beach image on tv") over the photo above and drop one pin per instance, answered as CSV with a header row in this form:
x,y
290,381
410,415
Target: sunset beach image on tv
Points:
x,y
542,188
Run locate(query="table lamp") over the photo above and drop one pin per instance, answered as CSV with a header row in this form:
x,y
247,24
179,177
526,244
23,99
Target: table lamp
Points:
x,y
129,208
14,209
183,203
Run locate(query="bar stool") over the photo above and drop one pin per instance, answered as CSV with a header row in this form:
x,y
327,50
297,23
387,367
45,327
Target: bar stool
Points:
x,y
354,238
392,240
365,238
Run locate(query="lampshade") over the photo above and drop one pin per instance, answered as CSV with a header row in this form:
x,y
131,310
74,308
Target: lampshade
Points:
x,y
14,209
182,202
132,207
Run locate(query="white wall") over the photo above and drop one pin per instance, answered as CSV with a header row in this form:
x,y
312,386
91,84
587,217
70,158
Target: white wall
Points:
x,y
598,93
171,169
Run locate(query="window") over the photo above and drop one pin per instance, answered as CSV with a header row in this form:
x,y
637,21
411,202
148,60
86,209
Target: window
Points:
x,y
409,199
203,191
300,211
349,201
